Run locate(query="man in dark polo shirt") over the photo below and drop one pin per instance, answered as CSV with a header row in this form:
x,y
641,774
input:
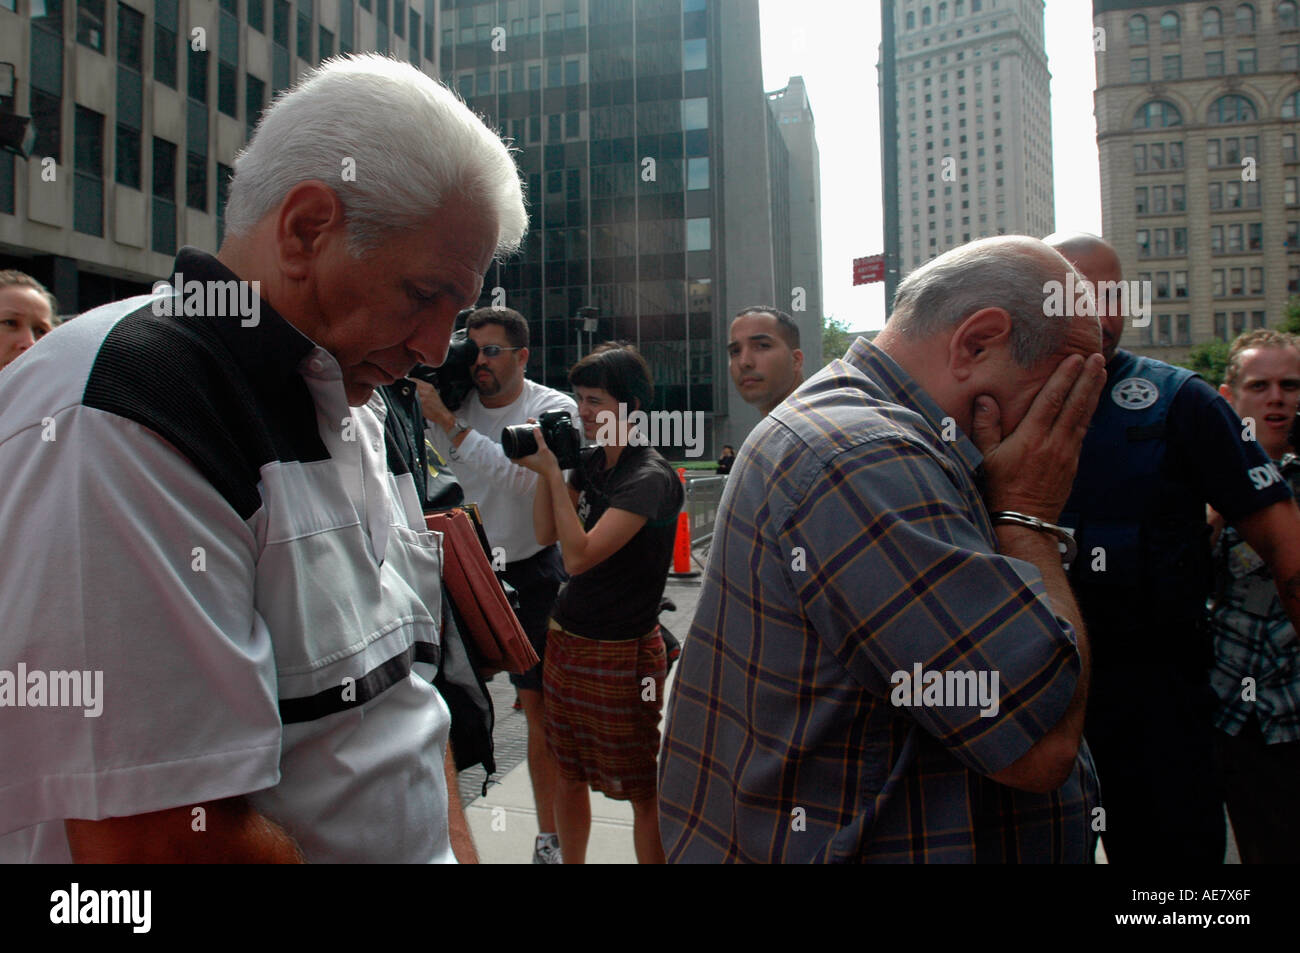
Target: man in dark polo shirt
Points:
x,y
197,481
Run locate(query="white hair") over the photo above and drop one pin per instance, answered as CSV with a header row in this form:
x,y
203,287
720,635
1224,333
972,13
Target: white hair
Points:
x,y
391,142
1005,271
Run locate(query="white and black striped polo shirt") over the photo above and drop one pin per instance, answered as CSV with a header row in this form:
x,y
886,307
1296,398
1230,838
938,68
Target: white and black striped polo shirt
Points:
x,y
192,509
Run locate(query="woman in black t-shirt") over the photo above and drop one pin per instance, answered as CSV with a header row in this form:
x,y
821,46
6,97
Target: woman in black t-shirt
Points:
x,y
604,667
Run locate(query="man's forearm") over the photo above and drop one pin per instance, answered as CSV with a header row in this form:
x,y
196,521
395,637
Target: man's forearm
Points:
x,y
225,831
1274,533
1021,542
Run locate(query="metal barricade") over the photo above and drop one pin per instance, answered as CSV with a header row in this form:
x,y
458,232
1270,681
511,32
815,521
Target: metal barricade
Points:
x,y
703,493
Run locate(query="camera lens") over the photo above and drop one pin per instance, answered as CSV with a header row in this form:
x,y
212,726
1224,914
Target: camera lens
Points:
x,y
518,441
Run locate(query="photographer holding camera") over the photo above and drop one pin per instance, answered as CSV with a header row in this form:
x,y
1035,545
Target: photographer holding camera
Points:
x,y
605,662
469,439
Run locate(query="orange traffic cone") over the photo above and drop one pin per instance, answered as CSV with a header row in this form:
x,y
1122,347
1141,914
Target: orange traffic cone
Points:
x,y
682,544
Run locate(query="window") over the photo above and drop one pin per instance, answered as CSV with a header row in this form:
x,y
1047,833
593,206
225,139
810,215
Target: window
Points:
x,y
1216,239
1221,325
1177,198
1288,18
304,29
1290,152
1292,237
695,113
1139,158
1236,282
697,173
90,27
88,199
254,98
1216,196
325,40
1293,279
1290,191
1169,27
1214,63
697,234
127,147
1257,281
1172,67
1140,201
1211,23
1163,336
164,197
1138,72
571,73
257,14
1291,106
572,125
1230,109
1245,19
1143,243
164,41
1158,114
1180,284
1137,29
553,127
1218,287
1236,239
695,54
1184,325
1290,58
1246,61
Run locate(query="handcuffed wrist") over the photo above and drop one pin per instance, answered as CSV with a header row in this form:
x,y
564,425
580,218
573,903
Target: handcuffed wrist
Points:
x,y
1063,535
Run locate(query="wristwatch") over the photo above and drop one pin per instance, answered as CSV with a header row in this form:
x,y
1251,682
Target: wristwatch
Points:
x,y
1063,535
459,429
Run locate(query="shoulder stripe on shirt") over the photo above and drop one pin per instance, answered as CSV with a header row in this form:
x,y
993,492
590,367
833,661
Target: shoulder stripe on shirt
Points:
x,y
173,376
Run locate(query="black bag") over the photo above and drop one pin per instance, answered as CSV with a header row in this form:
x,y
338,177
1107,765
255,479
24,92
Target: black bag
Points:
x,y
466,694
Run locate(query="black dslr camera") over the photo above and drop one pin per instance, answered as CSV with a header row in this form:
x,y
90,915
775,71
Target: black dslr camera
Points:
x,y
557,429
453,379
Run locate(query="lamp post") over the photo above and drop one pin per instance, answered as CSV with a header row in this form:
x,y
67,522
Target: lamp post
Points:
x,y
589,322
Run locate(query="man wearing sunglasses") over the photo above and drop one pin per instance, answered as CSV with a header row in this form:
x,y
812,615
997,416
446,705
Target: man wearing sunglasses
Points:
x,y
470,440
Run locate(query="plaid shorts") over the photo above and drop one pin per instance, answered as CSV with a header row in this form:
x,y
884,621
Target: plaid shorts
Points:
x,y
603,702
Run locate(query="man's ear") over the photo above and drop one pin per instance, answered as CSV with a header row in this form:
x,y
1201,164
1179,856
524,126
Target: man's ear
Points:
x,y
798,361
307,217
976,338
1225,392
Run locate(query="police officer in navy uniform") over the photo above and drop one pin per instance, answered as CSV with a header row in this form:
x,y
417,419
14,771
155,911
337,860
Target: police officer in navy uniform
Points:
x,y
1161,445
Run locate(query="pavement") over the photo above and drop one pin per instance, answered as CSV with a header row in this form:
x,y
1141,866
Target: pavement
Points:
x,y
504,820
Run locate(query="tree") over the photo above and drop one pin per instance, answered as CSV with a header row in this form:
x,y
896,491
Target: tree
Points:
x,y
836,338
1291,316
1210,360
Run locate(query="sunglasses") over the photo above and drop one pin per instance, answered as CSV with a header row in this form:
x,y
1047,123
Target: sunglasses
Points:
x,y
494,350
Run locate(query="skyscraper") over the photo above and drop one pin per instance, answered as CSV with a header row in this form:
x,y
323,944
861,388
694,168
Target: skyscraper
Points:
x,y
971,153
1198,117
652,163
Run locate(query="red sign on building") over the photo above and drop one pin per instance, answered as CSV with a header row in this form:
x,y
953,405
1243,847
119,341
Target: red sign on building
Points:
x,y
869,269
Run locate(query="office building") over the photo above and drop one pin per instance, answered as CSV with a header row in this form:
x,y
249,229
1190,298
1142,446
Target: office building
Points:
x,y
967,123
1198,117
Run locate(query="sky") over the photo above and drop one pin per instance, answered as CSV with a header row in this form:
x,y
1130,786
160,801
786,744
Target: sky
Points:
x,y
835,46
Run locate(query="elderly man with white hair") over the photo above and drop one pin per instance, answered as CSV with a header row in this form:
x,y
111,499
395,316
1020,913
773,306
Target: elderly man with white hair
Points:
x,y
215,553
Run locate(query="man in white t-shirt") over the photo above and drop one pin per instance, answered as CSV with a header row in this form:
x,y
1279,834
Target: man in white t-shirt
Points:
x,y
470,439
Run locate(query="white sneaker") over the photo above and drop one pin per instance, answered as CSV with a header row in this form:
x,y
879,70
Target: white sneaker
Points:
x,y
546,850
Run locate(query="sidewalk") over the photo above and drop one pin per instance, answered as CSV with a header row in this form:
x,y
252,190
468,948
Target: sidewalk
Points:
x,y
504,821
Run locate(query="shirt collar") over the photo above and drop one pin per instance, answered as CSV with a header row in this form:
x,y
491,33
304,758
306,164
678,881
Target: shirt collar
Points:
x,y
271,348
900,385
